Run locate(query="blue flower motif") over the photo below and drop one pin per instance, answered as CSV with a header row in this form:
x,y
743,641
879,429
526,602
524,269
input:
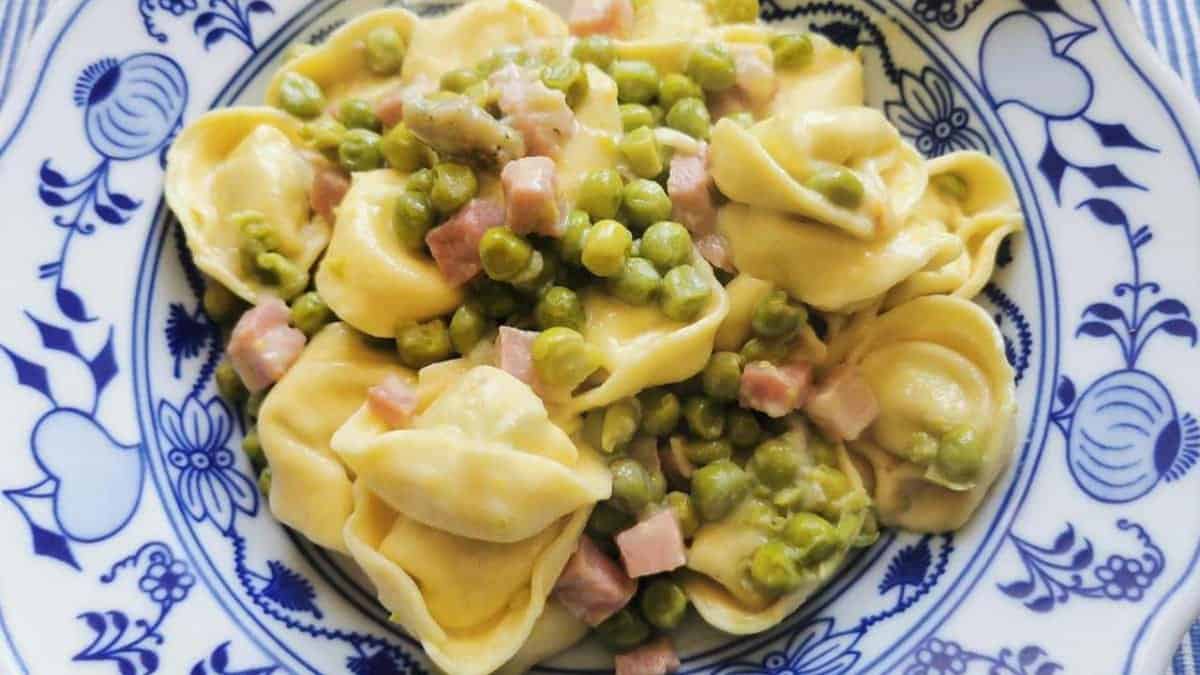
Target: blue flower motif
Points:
x,y
939,657
208,486
177,7
928,115
290,590
814,650
1124,578
167,581
380,663
186,333
132,107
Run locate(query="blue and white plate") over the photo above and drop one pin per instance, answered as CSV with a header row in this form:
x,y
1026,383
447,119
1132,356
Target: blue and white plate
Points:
x,y
134,542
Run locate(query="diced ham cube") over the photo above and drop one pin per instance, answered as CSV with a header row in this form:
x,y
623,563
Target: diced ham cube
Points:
x,y
774,390
393,400
531,196
329,186
675,464
716,250
607,17
690,187
514,354
755,78
592,586
390,108
540,114
263,346
653,658
843,405
455,243
652,546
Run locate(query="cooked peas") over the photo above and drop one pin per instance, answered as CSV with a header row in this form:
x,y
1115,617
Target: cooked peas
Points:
x,y
834,486
468,326
718,488
711,67
637,283
641,151
606,248
229,385
950,184
814,537
300,96
600,193
503,253
775,463
360,151
660,411
264,482
775,317
621,421
459,80
664,604
310,313
420,344
420,181
562,358
607,520
252,448
570,246
722,376
453,186
690,116
744,120
658,485
356,113
412,216
630,484
566,75
623,631
384,50
559,306
220,304
667,244
287,277
742,428
595,49
959,457
922,448
495,300
839,185
635,116
685,513
773,567
254,403
676,87
645,201
324,134
792,50
637,81
705,417
684,294
707,452
541,271
404,151
764,349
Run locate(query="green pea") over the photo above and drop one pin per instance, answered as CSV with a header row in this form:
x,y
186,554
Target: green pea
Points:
x,y
834,486
254,403
324,134
562,357
814,537
360,151
658,485
821,451
722,376
764,349
950,184
637,283
663,603
229,385
568,76
792,50
774,568
705,417
412,217
839,185
660,411
356,113
459,80
503,253
539,272
623,631
707,452
310,313
600,193
742,428
264,482
559,306
252,448
420,344
775,463
220,304
405,152
667,244
641,151
420,181
657,114
635,116
621,421
630,484
690,116
500,58
255,237
685,513
384,50
453,186
595,49
607,520
606,248
468,326
775,317
637,81
922,448
495,300
484,96
744,120
959,457
676,87
711,67
286,276
645,201
300,96
684,294
718,488
570,246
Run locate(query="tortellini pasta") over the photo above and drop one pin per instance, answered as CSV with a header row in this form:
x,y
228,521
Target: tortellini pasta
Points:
x,y
298,419
242,160
367,276
935,364
594,143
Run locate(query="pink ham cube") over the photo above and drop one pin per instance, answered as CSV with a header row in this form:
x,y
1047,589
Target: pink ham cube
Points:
x,y
653,546
592,587
603,17
540,114
690,187
263,346
843,405
393,400
329,186
514,354
653,658
455,243
774,390
531,196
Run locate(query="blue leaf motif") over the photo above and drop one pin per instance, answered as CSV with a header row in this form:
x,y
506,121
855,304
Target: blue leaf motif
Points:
x,y
1053,166
51,177
214,36
260,7
104,365
51,198
1048,669
1116,136
125,667
204,20
908,568
55,338
1028,655
109,215
220,658
290,590
30,374
1104,311
1095,329
198,669
71,304
1041,605
1017,589
1066,391
1105,211
1108,175
52,545
124,202
1170,306
1042,5
1064,541
1181,328
149,661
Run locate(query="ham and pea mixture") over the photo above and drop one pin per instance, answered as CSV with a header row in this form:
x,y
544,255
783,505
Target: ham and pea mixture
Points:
x,y
581,327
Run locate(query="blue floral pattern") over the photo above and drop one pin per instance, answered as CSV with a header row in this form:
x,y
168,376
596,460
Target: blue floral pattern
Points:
x,y
221,19
928,115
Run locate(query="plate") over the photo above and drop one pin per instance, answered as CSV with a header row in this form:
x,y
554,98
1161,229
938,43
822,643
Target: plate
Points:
x,y
137,544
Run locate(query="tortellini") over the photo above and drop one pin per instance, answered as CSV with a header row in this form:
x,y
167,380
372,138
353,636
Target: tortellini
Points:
x,y
241,160
310,487
594,143
767,166
935,364
368,278
468,571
